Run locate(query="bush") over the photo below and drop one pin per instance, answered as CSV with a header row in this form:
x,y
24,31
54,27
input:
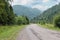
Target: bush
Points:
x,y
57,21
7,15
22,20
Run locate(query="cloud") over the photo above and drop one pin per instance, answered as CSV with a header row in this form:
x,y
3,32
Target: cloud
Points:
x,y
39,4
45,1
58,1
41,7
22,2
16,2
25,2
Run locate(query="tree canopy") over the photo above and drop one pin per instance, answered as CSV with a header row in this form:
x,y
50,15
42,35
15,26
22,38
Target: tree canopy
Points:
x,y
6,13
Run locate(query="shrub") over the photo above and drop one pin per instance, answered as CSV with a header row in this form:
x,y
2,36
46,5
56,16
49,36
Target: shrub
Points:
x,y
22,20
57,21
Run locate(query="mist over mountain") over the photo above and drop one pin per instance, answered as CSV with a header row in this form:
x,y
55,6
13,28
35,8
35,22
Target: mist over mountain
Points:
x,y
48,15
25,11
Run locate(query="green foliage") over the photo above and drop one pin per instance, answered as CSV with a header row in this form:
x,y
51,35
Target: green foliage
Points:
x,y
6,13
9,32
22,20
57,21
50,26
48,15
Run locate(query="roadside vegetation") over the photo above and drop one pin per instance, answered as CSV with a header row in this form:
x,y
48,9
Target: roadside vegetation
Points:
x,y
10,32
55,25
10,23
50,18
56,21
49,26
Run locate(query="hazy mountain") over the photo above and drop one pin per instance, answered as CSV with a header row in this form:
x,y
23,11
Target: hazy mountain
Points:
x,y
29,12
48,15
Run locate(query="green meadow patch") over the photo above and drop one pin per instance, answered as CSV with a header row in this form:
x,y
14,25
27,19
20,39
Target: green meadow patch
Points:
x,y
9,32
49,26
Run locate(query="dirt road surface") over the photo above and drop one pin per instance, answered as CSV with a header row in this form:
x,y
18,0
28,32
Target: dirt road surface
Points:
x,y
34,32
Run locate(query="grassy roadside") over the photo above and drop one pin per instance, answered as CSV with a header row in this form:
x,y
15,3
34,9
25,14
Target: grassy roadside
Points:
x,y
49,26
9,32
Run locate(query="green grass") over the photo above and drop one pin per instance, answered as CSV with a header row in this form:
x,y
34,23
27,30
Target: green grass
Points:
x,y
9,32
50,26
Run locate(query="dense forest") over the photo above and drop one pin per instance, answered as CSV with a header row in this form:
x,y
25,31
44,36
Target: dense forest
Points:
x,y
6,13
7,16
48,16
10,23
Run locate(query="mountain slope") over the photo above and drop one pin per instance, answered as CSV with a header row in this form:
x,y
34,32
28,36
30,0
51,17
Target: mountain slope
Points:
x,y
48,15
29,12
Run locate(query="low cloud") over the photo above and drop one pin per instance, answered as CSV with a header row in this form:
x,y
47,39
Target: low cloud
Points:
x,y
39,4
41,7
45,1
22,2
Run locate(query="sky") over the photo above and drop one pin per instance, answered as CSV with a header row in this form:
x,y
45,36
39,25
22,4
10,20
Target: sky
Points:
x,y
39,4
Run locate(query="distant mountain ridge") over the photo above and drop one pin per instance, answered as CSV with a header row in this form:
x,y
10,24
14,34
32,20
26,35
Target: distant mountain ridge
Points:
x,y
23,10
48,15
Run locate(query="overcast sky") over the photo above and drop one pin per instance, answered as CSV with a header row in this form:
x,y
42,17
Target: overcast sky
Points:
x,y
40,4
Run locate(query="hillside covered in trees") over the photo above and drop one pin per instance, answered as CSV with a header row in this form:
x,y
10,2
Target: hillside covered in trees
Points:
x,y
6,13
26,11
9,22
48,16
7,16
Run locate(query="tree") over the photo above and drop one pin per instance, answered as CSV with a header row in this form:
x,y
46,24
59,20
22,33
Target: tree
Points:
x,y
6,13
21,20
26,19
57,21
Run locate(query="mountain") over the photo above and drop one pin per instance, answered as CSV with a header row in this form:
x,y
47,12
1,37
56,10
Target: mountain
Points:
x,y
48,15
23,10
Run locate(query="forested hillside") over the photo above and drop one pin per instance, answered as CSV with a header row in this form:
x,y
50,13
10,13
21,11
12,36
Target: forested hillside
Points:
x,y
48,15
7,16
9,22
26,11
6,13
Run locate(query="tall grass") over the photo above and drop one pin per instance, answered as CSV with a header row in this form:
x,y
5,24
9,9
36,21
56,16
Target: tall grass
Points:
x,y
50,26
9,32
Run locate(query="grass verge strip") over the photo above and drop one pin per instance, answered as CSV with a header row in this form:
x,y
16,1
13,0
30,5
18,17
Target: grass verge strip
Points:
x,y
10,32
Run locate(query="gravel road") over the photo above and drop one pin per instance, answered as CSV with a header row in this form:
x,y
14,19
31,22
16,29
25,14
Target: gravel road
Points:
x,y
34,32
